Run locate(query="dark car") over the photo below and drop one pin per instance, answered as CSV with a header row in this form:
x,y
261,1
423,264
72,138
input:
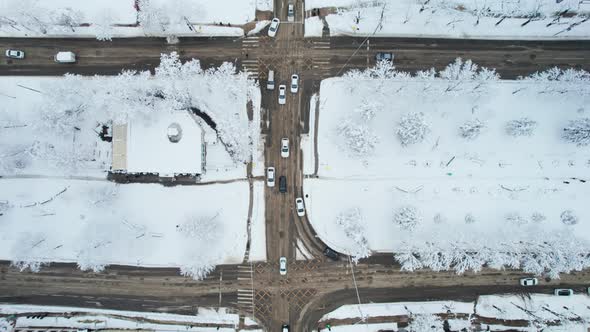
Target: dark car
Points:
x,y
283,184
383,56
331,254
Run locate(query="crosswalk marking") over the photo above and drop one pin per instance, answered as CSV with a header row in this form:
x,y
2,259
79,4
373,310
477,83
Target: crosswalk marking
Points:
x,y
246,294
250,42
321,44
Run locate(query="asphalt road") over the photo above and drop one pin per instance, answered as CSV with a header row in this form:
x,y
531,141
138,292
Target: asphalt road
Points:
x,y
317,58
311,288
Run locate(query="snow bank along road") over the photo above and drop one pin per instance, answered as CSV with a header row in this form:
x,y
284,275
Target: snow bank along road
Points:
x,y
317,58
311,287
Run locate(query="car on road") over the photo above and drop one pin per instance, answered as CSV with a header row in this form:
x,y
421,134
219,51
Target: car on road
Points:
x,y
283,266
563,292
383,56
282,184
270,176
529,282
274,27
290,13
65,57
300,207
15,54
294,83
285,147
270,83
328,252
282,94
285,328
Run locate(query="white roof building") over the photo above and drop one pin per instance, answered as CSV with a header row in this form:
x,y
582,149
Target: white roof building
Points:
x,y
167,144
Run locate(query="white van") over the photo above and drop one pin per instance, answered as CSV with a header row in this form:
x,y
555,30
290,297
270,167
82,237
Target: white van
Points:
x,y
270,84
65,57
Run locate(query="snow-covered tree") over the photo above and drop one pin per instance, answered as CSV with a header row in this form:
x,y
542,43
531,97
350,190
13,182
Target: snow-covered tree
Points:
x,y
66,19
151,18
469,218
202,233
459,70
4,207
516,219
578,132
538,217
103,24
568,217
368,109
521,127
351,221
412,128
558,81
471,129
407,217
358,138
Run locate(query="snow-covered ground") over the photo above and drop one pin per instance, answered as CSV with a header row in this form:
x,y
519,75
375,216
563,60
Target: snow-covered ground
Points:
x,y
504,19
472,183
120,18
258,228
541,313
54,193
98,223
50,124
83,318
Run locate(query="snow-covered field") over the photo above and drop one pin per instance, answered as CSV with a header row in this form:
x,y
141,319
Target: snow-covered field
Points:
x,y
83,318
436,168
505,19
120,18
97,223
541,313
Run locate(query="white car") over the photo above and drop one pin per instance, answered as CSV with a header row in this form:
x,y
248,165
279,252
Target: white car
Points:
x,y
270,176
290,13
529,282
285,147
274,27
300,207
283,266
15,54
282,94
294,83
563,292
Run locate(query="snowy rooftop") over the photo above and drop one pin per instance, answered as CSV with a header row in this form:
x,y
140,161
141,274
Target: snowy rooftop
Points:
x,y
150,150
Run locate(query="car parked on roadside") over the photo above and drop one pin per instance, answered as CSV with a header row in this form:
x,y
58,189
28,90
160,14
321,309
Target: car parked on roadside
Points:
x,y
384,56
294,83
529,282
274,27
285,328
270,176
563,292
282,184
290,12
300,206
283,266
282,94
328,252
15,54
285,147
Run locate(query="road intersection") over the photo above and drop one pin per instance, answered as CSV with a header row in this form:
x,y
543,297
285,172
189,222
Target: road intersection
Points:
x,y
312,287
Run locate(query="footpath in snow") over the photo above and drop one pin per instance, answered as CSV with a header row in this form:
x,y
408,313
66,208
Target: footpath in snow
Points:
x,y
18,317
437,168
526,19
